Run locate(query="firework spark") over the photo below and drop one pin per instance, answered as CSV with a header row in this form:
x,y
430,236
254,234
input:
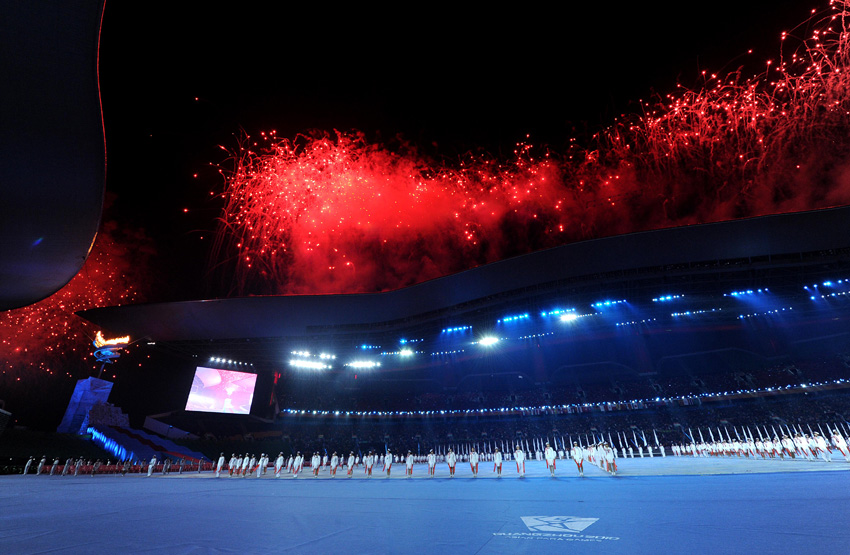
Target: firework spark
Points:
x,y
327,214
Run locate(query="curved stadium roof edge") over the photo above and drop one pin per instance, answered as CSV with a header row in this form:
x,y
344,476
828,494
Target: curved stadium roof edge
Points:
x,y
278,316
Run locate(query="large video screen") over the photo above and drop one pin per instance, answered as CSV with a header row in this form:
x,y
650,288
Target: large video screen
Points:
x,y
216,390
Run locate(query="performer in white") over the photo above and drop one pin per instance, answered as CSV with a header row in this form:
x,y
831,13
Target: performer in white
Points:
x,y
334,464
840,444
451,460
297,464
578,457
473,462
802,446
41,464
388,462
432,463
325,460
497,462
610,463
368,462
788,447
823,448
278,465
350,465
550,455
248,466
408,462
519,457
315,463
219,466
28,465
151,465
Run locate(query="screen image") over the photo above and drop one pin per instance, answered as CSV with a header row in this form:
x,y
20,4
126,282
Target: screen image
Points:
x,y
216,390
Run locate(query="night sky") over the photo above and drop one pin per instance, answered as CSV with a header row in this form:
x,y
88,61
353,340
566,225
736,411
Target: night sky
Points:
x,y
178,82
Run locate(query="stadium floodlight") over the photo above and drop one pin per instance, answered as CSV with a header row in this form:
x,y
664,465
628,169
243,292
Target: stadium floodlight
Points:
x,y
488,341
312,364
363,364
569,317
406,352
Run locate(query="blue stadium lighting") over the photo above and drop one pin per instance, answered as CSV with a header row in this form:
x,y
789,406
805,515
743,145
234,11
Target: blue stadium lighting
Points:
x,y
666,298
695,312
109,444
569,317
746,293
537,335
301,353
326,356
488,341
366,347
456,351
514,318
456,329
769,312
828,295
635,322
556,312
605,304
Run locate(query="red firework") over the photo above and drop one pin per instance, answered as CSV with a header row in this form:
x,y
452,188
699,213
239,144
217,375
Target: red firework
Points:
x,y
340,215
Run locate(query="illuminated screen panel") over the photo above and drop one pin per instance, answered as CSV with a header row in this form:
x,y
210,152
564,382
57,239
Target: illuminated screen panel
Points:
x,y
216,390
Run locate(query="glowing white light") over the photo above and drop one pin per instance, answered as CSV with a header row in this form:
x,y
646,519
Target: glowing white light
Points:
x,y
363,364
487,341
406,352
308,364
569,317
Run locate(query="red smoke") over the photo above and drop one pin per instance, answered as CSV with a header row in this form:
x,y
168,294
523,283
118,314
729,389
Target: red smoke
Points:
x,y
340,215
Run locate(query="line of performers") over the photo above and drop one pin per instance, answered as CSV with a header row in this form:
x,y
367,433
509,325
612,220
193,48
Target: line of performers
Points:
x,y
786,447
601,454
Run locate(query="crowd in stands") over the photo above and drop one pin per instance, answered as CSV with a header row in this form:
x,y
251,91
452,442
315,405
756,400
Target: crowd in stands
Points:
x,y
317,395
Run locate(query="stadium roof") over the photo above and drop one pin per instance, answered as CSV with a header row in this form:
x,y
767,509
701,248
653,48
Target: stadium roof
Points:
x,y
796,240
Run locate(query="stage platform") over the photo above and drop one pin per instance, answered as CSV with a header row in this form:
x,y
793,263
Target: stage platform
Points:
x,y
652,505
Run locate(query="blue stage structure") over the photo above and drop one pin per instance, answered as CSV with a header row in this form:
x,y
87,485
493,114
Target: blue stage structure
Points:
x,y
87,393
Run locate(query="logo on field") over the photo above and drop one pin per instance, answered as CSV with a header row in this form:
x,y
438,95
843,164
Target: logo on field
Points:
x,y
568,524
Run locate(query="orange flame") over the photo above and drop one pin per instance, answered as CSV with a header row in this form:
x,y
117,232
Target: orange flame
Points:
x,y
100,341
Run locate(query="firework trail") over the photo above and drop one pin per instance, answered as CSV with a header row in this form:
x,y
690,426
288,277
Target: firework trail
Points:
x,y
335,214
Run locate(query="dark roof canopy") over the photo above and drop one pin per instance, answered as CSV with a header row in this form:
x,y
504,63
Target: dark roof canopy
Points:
x,y
51,136
707,249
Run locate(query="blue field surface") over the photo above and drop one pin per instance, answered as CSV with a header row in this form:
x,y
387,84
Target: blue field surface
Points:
x,y
651,506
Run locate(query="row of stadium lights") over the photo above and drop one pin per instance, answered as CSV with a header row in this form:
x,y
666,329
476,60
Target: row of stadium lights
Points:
x,y
565,315
777,311
561,407
228,361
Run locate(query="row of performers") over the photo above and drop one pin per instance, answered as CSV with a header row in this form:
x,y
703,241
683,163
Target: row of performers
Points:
x,y
79,466
799,446
245,466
